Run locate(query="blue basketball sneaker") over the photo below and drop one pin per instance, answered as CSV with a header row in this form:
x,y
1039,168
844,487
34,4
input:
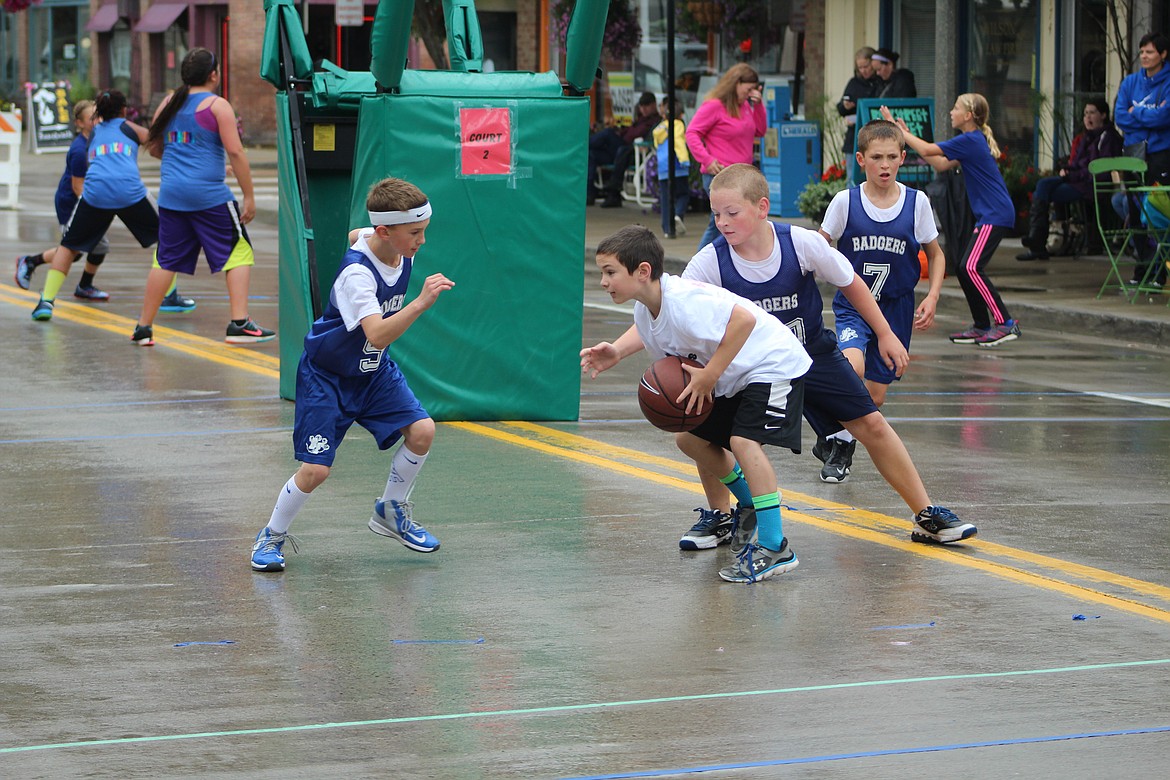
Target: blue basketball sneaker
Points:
x,y
177,303
267,552
401,526
43,310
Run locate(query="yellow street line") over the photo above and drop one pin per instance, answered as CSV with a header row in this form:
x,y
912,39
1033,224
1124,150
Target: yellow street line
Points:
x,y
861,524
867,530
177,340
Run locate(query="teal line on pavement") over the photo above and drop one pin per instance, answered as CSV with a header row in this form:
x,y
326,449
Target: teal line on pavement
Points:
x,y
874,754
576,707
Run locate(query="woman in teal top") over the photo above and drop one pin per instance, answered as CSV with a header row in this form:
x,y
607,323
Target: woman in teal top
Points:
x,y
195,134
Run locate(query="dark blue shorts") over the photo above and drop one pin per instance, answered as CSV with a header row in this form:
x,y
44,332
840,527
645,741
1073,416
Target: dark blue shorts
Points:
x,y
327,404
833,392
853,331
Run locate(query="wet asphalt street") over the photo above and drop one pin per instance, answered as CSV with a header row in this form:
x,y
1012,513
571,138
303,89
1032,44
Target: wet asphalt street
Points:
x,y
560,632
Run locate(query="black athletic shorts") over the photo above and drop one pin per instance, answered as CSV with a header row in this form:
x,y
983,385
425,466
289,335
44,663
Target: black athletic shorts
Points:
x,y
834,393
89,223
763,412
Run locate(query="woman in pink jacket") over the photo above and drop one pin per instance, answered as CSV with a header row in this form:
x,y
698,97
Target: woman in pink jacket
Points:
x,y
725,128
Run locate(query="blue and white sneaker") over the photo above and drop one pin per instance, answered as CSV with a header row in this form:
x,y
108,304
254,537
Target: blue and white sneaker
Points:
x,y
757,563
24,271
941,525
177,303
268,551
43,310
401,526
712,529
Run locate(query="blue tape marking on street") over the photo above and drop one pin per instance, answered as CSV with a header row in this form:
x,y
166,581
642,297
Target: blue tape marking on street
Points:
x,y
582,707
220,642
931,624
1085,617
437,641
873,754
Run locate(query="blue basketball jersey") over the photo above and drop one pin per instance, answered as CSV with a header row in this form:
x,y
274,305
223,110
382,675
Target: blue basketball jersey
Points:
x,y
192,169
330,347
884,254
112,180
791,295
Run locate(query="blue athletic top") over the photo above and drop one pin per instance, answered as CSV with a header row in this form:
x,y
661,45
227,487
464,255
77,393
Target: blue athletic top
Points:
x,y
112,180
330,347
193,160
791,295
884,254
985,188
75,165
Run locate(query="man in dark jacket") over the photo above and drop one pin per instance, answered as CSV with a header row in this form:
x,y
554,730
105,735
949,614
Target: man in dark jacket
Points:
x,y
894,82
616,148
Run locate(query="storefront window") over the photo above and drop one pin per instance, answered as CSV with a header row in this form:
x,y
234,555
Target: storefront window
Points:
x,y
9,76
120,57
58,43
1002,43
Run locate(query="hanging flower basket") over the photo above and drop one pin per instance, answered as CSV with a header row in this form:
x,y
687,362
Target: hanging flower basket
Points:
x,y
623,33
12,6
734,21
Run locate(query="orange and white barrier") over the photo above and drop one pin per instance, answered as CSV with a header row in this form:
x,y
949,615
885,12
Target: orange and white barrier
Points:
x,y
9,158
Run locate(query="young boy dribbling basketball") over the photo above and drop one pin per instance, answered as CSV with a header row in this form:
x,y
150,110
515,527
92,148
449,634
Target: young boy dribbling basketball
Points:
x,y
345,377
879,227
778,265
751,372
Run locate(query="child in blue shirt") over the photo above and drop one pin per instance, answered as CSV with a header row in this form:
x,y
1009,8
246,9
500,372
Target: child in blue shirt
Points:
x,y
345,376
680,184
976,150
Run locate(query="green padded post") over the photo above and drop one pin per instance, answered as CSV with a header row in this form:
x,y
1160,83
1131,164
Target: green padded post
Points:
x,y
583,42
276,14
388,41
464,40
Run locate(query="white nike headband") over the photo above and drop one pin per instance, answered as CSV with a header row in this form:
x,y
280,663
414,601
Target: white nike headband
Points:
x,y
418,214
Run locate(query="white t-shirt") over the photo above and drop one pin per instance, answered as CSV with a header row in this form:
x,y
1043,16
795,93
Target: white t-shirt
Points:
x,y
693,322
355,292
812,252
837,214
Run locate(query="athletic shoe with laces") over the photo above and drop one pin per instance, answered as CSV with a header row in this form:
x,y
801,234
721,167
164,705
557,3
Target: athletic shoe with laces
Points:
x,y
248,333
177,303
968,336
821,449
941,525
43,310
268,550
757,563
745,529
143,336
401,526
680,227
24,271
839,461
90,293
1008,331
712,529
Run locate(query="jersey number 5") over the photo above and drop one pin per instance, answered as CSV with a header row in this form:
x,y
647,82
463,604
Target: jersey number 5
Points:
x,y
372,359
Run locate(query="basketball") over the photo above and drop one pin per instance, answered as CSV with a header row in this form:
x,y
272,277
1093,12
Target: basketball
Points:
x,y
660,386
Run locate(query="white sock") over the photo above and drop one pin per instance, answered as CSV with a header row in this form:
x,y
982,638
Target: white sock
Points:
x,y
842,434
288,504
403,471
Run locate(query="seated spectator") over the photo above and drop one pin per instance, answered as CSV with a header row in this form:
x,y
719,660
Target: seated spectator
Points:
x,y
1073,182
615,147
893,82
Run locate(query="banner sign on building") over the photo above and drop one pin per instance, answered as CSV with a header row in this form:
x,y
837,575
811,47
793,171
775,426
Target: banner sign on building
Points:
x,y
50,117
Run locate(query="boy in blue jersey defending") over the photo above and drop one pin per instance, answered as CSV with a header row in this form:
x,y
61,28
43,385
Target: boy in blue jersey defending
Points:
x,y
345,377
879,226
777,266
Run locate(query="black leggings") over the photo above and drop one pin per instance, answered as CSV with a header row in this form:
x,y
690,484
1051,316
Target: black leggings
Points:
x,y
982,297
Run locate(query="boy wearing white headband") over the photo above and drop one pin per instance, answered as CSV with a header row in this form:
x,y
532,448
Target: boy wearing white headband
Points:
x,y
344,376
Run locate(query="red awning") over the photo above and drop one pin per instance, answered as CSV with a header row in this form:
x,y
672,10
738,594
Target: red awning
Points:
x,y
159,17
103,19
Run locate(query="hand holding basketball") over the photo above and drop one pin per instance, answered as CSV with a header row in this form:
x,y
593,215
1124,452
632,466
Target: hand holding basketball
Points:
x,y
669,396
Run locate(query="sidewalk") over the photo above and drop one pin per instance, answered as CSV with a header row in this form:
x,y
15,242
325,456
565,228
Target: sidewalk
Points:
x,y
1057,294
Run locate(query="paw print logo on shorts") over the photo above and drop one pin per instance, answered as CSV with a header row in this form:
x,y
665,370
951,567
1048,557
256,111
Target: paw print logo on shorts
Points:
x,y
848,334
317,444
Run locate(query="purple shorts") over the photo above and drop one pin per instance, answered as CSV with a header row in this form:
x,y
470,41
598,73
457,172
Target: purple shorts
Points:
x,y
216,231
